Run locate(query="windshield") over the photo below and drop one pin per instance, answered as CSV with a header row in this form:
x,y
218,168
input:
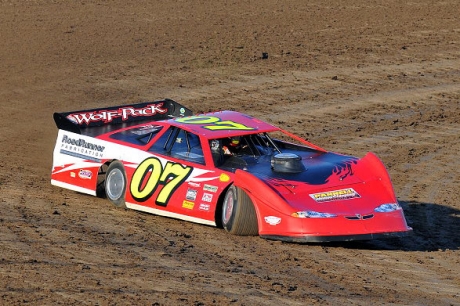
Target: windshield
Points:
x,y
249,149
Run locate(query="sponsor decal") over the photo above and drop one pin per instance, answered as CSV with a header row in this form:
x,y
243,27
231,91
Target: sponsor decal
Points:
x,y
146,129
215,146
272,220
335,195
80,148
124,113
224,177
72,174
191,194
82,144
188,204
207,197
85,174
210,188
193,184
204,207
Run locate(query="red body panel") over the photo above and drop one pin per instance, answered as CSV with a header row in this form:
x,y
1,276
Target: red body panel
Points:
x,y
355,215
195,198
84,177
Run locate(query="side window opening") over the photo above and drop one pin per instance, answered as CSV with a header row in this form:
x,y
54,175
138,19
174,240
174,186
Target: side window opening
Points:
x,y
180,144
163,144
217,151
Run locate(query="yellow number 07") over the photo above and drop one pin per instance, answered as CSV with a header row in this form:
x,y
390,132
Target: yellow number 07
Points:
x,y
143,185
214,123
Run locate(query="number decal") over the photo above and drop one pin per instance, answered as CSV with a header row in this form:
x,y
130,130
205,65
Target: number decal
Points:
x,y
150,170
198,119
228,125
215,123
150,174
173,175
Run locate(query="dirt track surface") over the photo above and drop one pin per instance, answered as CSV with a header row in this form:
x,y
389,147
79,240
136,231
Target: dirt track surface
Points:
x,y
351,76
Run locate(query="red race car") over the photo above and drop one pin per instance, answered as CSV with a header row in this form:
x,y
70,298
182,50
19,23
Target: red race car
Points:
x,y
224,169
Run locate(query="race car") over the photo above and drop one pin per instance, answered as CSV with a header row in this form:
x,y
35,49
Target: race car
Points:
x,y
224,169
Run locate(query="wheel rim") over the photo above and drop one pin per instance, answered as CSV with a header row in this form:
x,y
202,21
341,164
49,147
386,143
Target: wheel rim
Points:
x,y
115,184
228,208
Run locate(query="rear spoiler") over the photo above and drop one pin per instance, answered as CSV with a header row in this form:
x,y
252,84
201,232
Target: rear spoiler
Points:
x,y
101,120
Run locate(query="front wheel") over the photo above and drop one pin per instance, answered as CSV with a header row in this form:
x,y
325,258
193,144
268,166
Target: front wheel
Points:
x,y
238,213
115,184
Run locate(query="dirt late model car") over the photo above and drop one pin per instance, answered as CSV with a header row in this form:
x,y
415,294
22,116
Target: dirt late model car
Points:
x,y
224,169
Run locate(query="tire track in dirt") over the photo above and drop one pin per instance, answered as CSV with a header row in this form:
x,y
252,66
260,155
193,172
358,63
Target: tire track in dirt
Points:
x,y
394,124
347,93
393,110
317,87
378,120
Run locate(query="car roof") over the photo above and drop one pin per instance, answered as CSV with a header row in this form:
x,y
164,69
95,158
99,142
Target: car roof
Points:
x,y
222,124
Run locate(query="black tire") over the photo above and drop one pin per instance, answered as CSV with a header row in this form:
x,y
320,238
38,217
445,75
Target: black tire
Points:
x,y
238,214
115,184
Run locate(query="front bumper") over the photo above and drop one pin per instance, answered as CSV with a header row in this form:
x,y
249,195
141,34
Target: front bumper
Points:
x,y
312,238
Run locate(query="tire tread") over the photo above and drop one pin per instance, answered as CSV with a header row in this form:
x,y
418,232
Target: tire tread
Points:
x,y
245,222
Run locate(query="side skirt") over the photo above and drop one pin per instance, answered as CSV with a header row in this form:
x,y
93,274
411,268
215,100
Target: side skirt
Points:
x,y
163,213
73,187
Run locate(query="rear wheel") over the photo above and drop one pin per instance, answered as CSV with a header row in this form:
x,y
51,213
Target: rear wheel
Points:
x,y
115,184
238,213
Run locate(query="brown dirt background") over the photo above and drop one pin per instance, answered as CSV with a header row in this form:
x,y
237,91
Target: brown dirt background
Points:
x,y
351,76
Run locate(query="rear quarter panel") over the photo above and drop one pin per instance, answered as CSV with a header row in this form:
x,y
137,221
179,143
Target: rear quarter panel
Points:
x,y
155,184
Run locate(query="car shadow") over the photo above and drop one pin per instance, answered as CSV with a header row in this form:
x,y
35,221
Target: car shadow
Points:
x,y
435,227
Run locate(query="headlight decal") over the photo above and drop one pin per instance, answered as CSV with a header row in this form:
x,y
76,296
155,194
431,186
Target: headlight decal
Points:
x,y
312,214
387,207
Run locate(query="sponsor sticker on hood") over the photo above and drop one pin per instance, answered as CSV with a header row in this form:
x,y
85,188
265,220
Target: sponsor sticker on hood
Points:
x,y
335,195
